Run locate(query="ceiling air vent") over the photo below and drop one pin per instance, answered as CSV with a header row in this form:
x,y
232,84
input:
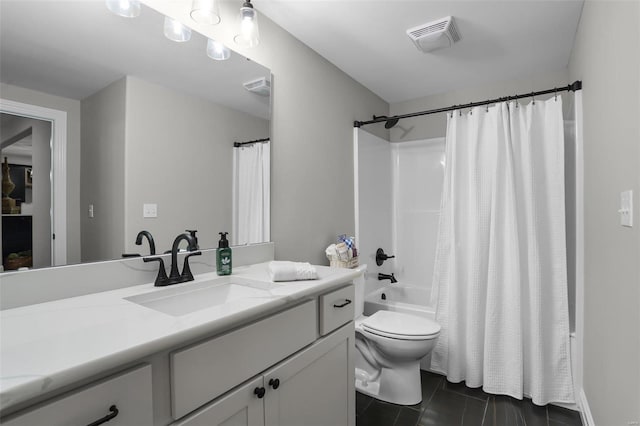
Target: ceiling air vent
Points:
x,y
434,35
261,86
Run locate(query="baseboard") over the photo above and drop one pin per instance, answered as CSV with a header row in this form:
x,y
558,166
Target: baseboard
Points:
x,y
585,411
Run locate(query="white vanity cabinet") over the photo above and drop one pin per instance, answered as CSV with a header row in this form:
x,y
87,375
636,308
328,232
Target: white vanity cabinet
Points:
x,y
314,386
287,367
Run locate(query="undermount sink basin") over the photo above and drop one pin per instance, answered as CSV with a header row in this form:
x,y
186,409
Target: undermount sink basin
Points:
x,y
192,297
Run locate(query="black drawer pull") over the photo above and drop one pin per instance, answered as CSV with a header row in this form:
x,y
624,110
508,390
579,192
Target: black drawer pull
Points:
x,y
114,412
347,301
274,383
259,392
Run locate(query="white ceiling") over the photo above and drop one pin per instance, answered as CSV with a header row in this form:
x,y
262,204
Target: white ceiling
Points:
x,y
75,48
367,39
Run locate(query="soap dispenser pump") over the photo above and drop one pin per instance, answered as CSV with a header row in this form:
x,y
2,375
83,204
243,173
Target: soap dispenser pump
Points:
x,y
223,255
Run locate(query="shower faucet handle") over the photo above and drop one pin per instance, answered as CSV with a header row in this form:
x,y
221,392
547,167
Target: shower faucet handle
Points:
x,y
381,257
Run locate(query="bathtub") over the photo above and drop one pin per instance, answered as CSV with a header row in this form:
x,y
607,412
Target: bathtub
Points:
x,y
400,298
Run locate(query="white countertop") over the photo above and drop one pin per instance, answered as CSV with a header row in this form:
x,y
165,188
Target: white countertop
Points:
x,y
46,346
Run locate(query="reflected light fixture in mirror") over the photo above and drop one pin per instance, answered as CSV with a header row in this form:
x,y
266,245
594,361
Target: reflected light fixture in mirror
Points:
x,y
174,30
217,50
205,12
124,8
249,35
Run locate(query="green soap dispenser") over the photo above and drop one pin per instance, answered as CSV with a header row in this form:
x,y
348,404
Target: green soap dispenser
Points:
x,y
223,255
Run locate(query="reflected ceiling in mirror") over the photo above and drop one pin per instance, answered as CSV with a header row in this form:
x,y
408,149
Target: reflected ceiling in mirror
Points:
x,y
75,48
184,110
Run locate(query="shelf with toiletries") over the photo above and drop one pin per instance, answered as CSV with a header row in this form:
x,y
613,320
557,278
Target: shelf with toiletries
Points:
x,y
343,253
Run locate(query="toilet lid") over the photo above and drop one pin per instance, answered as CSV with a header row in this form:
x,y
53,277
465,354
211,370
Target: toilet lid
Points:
x,y
399,325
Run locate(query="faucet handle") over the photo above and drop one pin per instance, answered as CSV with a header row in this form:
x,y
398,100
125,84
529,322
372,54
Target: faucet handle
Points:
x,y
161,279
192,232
381,257
186,270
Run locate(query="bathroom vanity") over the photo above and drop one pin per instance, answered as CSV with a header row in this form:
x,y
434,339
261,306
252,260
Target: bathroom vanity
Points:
x,y
236,350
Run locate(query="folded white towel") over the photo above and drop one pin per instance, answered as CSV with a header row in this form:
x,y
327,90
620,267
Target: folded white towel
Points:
x,y
292,271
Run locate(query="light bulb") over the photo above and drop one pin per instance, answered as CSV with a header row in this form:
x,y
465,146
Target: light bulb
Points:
x,y
124,8
205,12
249,35
175,30
217,50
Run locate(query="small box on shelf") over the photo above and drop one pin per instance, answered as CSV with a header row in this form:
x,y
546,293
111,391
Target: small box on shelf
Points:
x,y
351,263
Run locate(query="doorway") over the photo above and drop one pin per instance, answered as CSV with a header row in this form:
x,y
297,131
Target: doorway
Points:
x,y
33,140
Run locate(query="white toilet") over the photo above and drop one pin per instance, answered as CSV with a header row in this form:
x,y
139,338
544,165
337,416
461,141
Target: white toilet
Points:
x,y
389,347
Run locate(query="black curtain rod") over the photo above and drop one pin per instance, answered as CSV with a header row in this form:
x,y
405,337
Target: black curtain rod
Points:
x,y
576,85
238,144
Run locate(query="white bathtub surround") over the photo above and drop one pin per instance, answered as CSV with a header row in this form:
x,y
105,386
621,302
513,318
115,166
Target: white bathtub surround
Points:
x,y
251,193
500,276
418,173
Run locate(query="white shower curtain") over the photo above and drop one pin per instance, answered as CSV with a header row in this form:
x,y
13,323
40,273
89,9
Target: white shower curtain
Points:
x,y
251,194
500,278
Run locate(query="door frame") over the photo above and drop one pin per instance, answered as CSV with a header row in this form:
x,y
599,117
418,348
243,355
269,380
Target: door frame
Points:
x,y
58,121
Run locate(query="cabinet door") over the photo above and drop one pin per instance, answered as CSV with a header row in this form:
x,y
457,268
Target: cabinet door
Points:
x,y
240,407
315,386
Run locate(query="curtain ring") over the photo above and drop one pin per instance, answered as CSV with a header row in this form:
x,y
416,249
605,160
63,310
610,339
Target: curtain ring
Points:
x,y
555,91
533,99
487,107
460,112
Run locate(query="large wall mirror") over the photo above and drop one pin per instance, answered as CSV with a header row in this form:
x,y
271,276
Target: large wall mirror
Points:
x,y
150,131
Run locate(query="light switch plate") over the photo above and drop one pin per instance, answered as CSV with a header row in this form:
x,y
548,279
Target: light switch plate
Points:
x,y
149,210
626,208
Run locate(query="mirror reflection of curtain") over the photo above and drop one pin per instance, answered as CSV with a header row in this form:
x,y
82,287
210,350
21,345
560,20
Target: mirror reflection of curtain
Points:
x,y
251,195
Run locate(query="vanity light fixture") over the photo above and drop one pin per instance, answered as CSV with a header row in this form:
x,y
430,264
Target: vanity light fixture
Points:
x,y
217,50
175,30
249,35
205,12
124,8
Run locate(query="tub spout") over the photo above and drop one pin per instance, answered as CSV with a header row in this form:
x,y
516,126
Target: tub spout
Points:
x,y
389,277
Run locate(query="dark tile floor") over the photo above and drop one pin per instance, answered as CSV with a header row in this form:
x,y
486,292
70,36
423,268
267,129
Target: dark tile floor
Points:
x,y
445,404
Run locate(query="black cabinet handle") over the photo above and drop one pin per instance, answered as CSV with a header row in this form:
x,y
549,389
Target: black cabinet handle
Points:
x,y
274,383
114,412
259,392
342,305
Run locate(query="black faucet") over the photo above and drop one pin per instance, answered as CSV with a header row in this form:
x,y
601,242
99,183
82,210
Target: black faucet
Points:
x,y
152,245
149,237
175,277
391,277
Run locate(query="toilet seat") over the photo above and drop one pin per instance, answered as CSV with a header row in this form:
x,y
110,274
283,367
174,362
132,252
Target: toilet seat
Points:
x,y
400,326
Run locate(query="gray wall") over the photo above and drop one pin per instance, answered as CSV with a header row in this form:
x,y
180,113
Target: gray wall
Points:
x,y
314,106
103,172
179,152
606,58
72,108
